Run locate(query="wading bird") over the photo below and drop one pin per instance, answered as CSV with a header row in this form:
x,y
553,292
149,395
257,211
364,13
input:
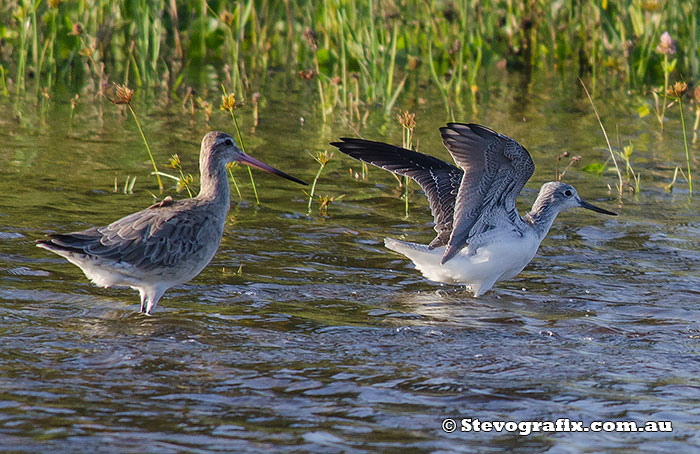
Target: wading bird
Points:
x,y
481,237
168,243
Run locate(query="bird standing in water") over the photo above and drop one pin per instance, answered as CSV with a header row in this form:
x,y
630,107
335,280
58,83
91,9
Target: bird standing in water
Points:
x,y
481,237
168,243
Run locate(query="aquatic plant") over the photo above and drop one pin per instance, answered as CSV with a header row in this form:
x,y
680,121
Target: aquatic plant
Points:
x,y
358,56
235,22
122,96
228,103
677,91
310,37
607,140
407,120
230,166
573,160
633,178
184,181
696,101
325,201
322,157
666,47
669,187
256,101
128,185
73,105
5,91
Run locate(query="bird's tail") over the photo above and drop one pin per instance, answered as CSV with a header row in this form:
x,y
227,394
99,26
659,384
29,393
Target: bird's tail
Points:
x,y
61,244
427,260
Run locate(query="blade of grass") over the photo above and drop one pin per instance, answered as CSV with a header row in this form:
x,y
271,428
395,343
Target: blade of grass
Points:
x,y
607,140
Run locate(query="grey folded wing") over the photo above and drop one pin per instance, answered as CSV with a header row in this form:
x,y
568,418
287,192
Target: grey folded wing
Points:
x,y
147,239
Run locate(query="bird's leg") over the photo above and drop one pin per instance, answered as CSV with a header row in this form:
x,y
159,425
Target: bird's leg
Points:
x,y
153,299
142,292
482,287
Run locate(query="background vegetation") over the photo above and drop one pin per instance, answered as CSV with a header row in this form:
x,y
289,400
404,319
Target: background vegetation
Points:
x,y
355,51
358,56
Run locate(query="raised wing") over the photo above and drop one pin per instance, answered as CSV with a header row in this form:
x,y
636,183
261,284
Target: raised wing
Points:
x,y
438,179
496,169
147,239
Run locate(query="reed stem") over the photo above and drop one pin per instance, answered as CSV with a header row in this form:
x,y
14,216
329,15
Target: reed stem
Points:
x,y
685,143
148,147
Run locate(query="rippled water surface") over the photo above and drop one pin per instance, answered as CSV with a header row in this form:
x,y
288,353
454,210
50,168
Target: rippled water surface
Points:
x,y
305,334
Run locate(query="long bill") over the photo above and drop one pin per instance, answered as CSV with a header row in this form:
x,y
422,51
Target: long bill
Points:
x,y
590,206
251,161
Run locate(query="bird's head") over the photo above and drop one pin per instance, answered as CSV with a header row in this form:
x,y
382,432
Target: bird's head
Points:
x,y
561,196
219,148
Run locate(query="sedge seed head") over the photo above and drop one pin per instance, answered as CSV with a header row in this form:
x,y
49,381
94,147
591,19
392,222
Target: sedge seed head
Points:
x,y
677,89
407,119
121,94
184,182
227,18
322,157
228,102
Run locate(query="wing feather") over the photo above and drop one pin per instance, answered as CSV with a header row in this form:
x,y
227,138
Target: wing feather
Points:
x,y
150,238
496,169
439,180
466,201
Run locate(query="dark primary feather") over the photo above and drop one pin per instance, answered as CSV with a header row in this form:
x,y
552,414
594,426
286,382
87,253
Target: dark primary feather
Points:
x,y
147,239
438,179
496,168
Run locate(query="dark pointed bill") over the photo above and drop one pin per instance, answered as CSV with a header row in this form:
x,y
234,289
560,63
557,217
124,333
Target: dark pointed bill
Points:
x,y
592,207
251,161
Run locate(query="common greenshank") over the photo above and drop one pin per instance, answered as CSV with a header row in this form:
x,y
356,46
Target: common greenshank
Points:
x,y
166,244
481,237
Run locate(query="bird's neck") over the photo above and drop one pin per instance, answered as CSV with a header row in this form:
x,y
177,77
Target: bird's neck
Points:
x,y
541,217
214,183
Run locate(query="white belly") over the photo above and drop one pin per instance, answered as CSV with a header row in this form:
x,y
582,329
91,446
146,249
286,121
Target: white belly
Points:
x,y
503,258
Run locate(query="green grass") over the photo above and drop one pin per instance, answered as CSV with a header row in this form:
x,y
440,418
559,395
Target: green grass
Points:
x,y
378,45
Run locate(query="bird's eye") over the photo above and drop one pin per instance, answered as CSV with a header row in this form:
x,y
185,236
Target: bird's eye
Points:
x,y
228,142
568,193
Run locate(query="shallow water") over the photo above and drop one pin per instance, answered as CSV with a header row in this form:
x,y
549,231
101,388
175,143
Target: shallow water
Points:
x,y
326,341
